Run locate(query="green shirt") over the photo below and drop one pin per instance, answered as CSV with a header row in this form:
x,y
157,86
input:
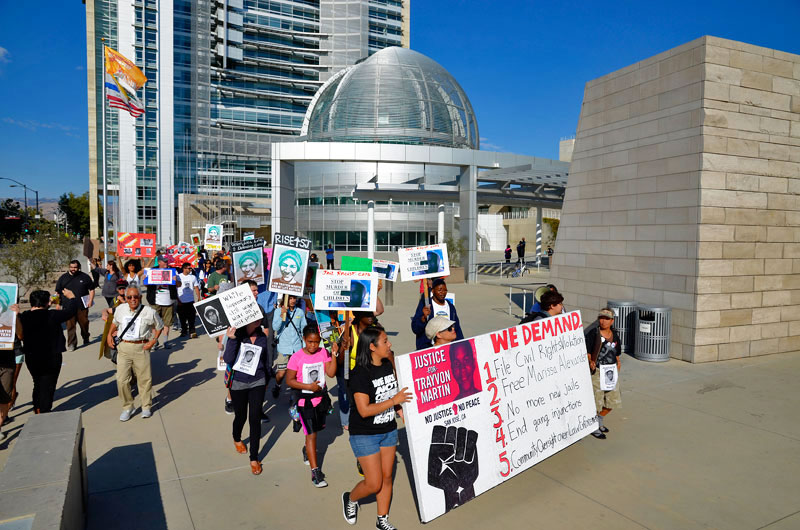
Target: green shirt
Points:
x,y
214,279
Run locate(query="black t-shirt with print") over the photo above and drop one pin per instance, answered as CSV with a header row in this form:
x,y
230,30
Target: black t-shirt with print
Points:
x,y
380,384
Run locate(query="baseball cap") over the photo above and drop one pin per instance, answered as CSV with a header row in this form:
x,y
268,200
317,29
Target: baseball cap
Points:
x,y
121,283
437,324
605,313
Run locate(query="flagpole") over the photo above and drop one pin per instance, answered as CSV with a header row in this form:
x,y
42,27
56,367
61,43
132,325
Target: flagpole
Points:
x,y
105,182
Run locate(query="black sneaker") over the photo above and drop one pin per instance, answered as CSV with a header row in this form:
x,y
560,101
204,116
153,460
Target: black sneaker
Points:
x,y
349,509
228,407
305,457
318,478
383,523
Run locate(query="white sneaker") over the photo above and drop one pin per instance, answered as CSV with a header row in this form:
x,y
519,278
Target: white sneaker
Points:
x,y
126,414
146,413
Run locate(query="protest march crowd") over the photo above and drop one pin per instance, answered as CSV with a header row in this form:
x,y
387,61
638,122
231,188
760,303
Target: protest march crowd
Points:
x,y
277,317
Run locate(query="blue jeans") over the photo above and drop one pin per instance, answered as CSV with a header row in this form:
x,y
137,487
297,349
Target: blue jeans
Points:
x,y
344,400
369,444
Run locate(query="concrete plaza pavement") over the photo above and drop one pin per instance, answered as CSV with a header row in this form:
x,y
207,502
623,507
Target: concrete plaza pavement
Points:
x,y
693,446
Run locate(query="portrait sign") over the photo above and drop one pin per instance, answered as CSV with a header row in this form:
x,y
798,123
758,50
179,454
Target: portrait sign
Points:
x,y
289,264
196,240
418,263
486,409
212,316
248,265
330,324
213,239
8,318
131,245
352,290
386,270
159,276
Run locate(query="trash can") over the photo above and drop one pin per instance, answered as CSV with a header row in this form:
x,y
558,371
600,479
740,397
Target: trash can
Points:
x,y
625,311
653,330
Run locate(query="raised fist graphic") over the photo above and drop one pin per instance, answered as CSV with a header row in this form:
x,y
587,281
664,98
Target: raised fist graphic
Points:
x,y
453,464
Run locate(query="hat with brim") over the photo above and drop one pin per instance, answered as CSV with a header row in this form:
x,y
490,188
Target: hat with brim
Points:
x,y
437,324
605,313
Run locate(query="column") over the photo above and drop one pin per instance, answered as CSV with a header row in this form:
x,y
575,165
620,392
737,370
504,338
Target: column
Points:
x,y
283,194
371,230
441,224
538,231
468,201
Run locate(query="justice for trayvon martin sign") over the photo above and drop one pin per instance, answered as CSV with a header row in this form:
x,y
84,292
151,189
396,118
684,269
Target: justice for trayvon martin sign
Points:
x,y
486,409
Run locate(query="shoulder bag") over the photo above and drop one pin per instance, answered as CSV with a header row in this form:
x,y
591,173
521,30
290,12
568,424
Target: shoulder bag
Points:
x,y
119,336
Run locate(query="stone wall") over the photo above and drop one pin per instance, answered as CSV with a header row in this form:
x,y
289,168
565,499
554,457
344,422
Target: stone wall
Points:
x,y
684,192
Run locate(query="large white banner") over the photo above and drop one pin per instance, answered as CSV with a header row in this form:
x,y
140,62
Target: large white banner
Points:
x,y
352,290
418,263
487,408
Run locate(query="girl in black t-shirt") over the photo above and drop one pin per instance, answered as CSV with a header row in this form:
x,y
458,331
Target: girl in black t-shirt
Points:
x,y
373,429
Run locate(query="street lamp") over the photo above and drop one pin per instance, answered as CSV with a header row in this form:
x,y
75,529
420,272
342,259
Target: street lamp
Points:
x,y
25,188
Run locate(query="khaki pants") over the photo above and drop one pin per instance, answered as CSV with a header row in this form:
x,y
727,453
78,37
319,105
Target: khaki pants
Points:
x,y
133,357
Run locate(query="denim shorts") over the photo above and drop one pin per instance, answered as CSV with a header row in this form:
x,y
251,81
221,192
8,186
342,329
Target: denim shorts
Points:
x,y
369,444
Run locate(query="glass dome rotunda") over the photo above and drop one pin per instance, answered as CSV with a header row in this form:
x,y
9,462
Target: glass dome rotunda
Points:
x,y
397,96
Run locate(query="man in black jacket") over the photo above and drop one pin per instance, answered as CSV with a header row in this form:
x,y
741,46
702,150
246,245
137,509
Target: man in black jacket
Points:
x,y
82,286
162,298
39,329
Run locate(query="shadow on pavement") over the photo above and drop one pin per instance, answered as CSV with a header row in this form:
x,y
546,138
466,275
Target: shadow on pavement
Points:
x,y
86,392
124,491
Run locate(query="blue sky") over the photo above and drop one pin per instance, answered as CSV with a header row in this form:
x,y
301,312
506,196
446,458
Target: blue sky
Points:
x,y
522,63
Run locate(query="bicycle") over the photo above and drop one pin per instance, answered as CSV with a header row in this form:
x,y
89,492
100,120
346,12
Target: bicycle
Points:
x,y
518,271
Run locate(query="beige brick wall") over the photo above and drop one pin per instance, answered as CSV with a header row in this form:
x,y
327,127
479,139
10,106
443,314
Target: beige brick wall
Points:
x,y
684,191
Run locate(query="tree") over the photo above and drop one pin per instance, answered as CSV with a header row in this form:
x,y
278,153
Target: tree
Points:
x,y
30,262
553,224
76,211
13,219
456,249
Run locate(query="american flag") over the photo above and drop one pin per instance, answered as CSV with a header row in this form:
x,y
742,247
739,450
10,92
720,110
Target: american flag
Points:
x,y
122,80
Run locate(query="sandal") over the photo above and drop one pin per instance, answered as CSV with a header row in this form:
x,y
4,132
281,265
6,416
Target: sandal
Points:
x,y
255,467
240,447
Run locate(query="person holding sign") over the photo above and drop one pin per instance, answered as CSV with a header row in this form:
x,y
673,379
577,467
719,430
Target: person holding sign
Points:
x,y
246,351
188,292
306,373
440,330
139,327
436,306
603,349
286,325
552,304
373,429
161,298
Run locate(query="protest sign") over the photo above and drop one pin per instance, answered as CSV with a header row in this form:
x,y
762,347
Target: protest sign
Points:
x,y
195,239
418,263
213,239
8,318
487,408
181,253
268,255
354,263
212,316
240,306
353,290
247,244
288,272
248,265
249,236
131,245
386,270
159,276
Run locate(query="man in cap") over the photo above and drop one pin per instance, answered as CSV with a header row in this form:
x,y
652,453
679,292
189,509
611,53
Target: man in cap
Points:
x,y
437,305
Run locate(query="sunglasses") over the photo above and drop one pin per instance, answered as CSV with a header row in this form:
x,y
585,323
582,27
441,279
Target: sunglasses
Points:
x,y
451,328
132,297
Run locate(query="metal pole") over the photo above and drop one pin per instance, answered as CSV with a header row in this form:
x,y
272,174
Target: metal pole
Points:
x,y
371,230
441,224
105,182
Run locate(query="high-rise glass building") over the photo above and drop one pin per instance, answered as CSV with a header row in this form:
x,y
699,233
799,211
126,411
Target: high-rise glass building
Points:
x,y
226,78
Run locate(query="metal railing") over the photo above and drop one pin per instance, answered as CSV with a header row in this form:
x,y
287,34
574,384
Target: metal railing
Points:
x,y
525,288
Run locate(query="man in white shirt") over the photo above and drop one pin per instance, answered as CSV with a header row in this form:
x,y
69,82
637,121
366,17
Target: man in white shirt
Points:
x,y
133,350
188,292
